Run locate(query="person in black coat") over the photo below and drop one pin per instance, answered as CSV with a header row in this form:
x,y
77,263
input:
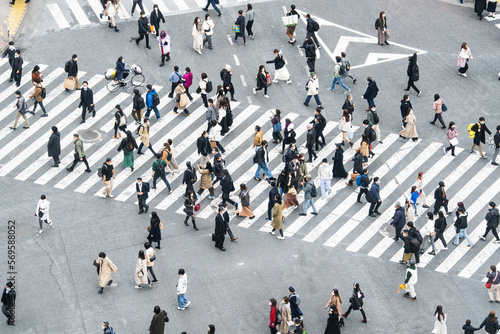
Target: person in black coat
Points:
x,y
311,30
439,227
479,136
332,325
319,131
405,105
226,222
318,128
412,73
479,7
154,234
310,140
358,164
272,199
8,301
189,179
226,81
441,200
490,323
11,52
310,51
142,190
86,100
54,146
356,301
288,134
155,18
371,92
203,147
338,162
227,186
220,229
17,68
398,221
261,81
143,29
240,20
349,105
73,70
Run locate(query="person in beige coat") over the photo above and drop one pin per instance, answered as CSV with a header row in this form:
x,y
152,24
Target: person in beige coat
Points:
x,y
181,99
141,271
286,316
144,134
410,130
105,269
277,223
336,302
206,179
37,95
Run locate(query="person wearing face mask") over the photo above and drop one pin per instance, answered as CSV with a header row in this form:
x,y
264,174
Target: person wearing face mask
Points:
x,y
281,72
410,130
208,28
371,92
107,329
86,101
11,52
273,316
313,90
479,137
155,18
373,121
310,51
405,104
349,105
42,212
375,195
121,72
71,67
286,316
17,68
143,28
451,135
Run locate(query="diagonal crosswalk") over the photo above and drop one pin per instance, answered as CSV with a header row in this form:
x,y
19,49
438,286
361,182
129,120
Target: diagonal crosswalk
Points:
x,y
341,223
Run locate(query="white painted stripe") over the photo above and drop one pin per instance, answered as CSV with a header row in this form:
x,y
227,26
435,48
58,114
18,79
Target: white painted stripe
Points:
x,y
181,4
122,12
97,9
477,207
481,257
9,92
4,61
236,60
201,3
35,145
243,81
230,39
497,25
78,12
6,72
456,175
161,6
249,100
349,226
373,229
58,16
393,185
223,2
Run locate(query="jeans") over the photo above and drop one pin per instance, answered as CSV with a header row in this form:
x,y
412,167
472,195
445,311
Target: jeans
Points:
x,y
462,233
371,103
339,79
182,300
41,106
157,113
306,203
163,177
495,154
150,148
150,270
266,170
208,39
325,186
316,97
212,2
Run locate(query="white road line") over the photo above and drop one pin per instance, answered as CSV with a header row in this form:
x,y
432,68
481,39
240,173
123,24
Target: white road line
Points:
x,y
58,16
236,60
230,39
393,185
243,81
374,227
201,3
97,9
9,92
181,4
161,6
78,12
6,73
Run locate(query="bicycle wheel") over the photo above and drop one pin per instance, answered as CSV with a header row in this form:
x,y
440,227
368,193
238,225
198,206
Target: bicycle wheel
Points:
x,y
138,79
112,85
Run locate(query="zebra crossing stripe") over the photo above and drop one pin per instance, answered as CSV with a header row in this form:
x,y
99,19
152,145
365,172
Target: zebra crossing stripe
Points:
x,y
181,4
78,12
9,92
161,6
6,73
479,260
394,184
97,9
58,16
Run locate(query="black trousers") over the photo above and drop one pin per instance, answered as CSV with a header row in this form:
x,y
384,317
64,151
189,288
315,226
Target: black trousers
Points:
x,y
438,117
411,84
311,152
188,95
141,37
142,204
374,207
270,207
361,192
452,148
493,230
438,206
135,3
56,160
77,159
317,142
398,232
16,76
174,85
163,58
84,111
6,312
313,36
220,241
205,100
225,198
230,90
439,235
352,308
311,61
463,69
150,270
249,27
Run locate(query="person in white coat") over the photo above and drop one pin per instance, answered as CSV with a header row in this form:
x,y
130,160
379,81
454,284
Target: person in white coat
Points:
x,y
42,212
420,187
141,271
440,321
181,290
214,133
112,8
208,28
344,126
325,176
428,234
197,33
411,278
164,44
313,90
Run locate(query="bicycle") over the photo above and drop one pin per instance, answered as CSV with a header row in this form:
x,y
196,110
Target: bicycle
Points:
x,y
134,76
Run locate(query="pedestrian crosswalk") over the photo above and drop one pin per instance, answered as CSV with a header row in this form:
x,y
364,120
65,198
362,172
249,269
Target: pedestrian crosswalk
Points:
x,y
340,224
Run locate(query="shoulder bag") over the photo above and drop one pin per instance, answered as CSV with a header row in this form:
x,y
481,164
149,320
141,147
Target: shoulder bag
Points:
x,y
488,285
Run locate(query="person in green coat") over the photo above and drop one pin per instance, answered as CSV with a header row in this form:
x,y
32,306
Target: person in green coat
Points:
x,y
79,154
158,322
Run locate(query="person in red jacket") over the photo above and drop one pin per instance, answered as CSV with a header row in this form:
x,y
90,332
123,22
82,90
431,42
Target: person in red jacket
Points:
x,y
273,316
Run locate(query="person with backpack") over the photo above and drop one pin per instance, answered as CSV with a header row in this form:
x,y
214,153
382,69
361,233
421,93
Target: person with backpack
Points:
x,y
356,301
21,110
157,325
344,61
128,145
152,102
381,27
312,88
281,72
477,131
312,27
363,182
38,94
71,67
159,169
492,219
144,134
461,228
496,141
310,192
370,133
338,71
137,106
273,316
411,278
310,53
371,92
294,304
413,73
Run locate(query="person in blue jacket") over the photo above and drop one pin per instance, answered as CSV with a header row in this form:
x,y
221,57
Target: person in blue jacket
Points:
x,y
376,201
414,196
149,102
121,71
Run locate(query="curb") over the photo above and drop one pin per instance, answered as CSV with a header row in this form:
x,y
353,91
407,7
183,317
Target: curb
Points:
x,y
11,21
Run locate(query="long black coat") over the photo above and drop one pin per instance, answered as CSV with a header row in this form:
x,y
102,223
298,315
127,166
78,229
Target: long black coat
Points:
x,y
241,22
226,184
143,25
158,323
338,164
404,108
480,137
358,162
411,62
54,144
261,80
155,19
371,90
220,225
479,6
155,233
73,68
311,137
332,326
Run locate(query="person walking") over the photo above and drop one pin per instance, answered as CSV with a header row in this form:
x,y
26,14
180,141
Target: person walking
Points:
x,y
112,8
273,316
239,28
479,7
120,122
344,61
308,186
262,160
203,147
496,140
373,122
197,33
150,258
271,199
333,323
212,114
79,154
428,234
439,227
338,71
54,146
375,195
159,170
310,53
144,29
17,68
357,166
157,325
71,67
142,190
441,199
173,163
220,229
182,301
437,105
138,106
8,303
208,31
419,183
344,126
206,172
281,72
21,110
364,183
175,78
289,135
325,177
277,222
189,203
440,321
335,303
104,269
356,301
189,178
468,328
405,105
226,222
276,123
286,315
86,101
108,175
381,27
226,75
313,90
451,136
36,74
398,220
42,212
410,130
461,228
290,29
37,95
213,3
371,92
479,130
152,101
250,16
164,44
312,27
338,162
493,276
10,52
261,81
244,195
203,87
411,278
294,304
155,18
464,57
141,271
181,99
492,7
319,124
413,74
144,134
490,323
310,141
492,219
227,187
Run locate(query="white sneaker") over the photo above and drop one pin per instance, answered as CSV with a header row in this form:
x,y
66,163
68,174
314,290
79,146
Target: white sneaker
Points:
x,y
111,196
40,232
50,223
496,242
254,91
272,232
181,309
275,81
187,304
266,96
445,248
288,81
280,237
137,287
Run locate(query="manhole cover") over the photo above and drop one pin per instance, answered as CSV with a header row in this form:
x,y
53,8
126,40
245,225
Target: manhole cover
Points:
x,y
141,89
90,135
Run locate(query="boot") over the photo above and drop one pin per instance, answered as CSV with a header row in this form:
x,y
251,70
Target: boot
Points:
x,y
116,29
101,290
168,57
109,25
345,315
186,221
194,225
364,320
162,64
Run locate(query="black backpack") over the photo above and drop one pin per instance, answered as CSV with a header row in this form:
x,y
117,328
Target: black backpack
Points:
x,y
209,87
375,118
67,66
419,236
314,194
160,167
415,73
100,171
372,135
342,70
44,92
315,25
194,177
156,99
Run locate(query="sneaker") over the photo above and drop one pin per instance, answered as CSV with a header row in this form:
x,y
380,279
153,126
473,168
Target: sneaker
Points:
x,y
496,242
414,299
444,150
266,96
181,309
272,233
187,304
314,213
302,214
330,89
137,287
40,232
484,156
431,253
347,91
257,179
445,248
254,91
419,93
280,237
494,163
244,44
50,223
472,151
288,81
275,81
482,238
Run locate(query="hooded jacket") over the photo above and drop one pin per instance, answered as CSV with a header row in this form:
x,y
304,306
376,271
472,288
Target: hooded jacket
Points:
x,y
399,220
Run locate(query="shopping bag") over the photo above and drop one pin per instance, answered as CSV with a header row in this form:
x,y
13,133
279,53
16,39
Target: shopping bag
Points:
x,y
236,28
69,83
349,133
290,21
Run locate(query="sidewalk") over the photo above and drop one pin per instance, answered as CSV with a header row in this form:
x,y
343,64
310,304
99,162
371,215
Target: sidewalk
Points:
x,y
10,19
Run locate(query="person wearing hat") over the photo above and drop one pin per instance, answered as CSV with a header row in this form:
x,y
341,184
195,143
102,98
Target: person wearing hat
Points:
x,y
8,301
411,278
227,85
79,154
492,218
307,186
294,303
441,200
108,175
325,176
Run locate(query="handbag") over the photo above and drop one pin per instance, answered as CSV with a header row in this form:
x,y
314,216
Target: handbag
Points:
x,y
454,141
354,176
197,207
444,107
290,20
148,228
213,144
152,258
161,226
236,28
198,90
140,273
318,55
488,285
69,83
123,121
349,133
40,213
